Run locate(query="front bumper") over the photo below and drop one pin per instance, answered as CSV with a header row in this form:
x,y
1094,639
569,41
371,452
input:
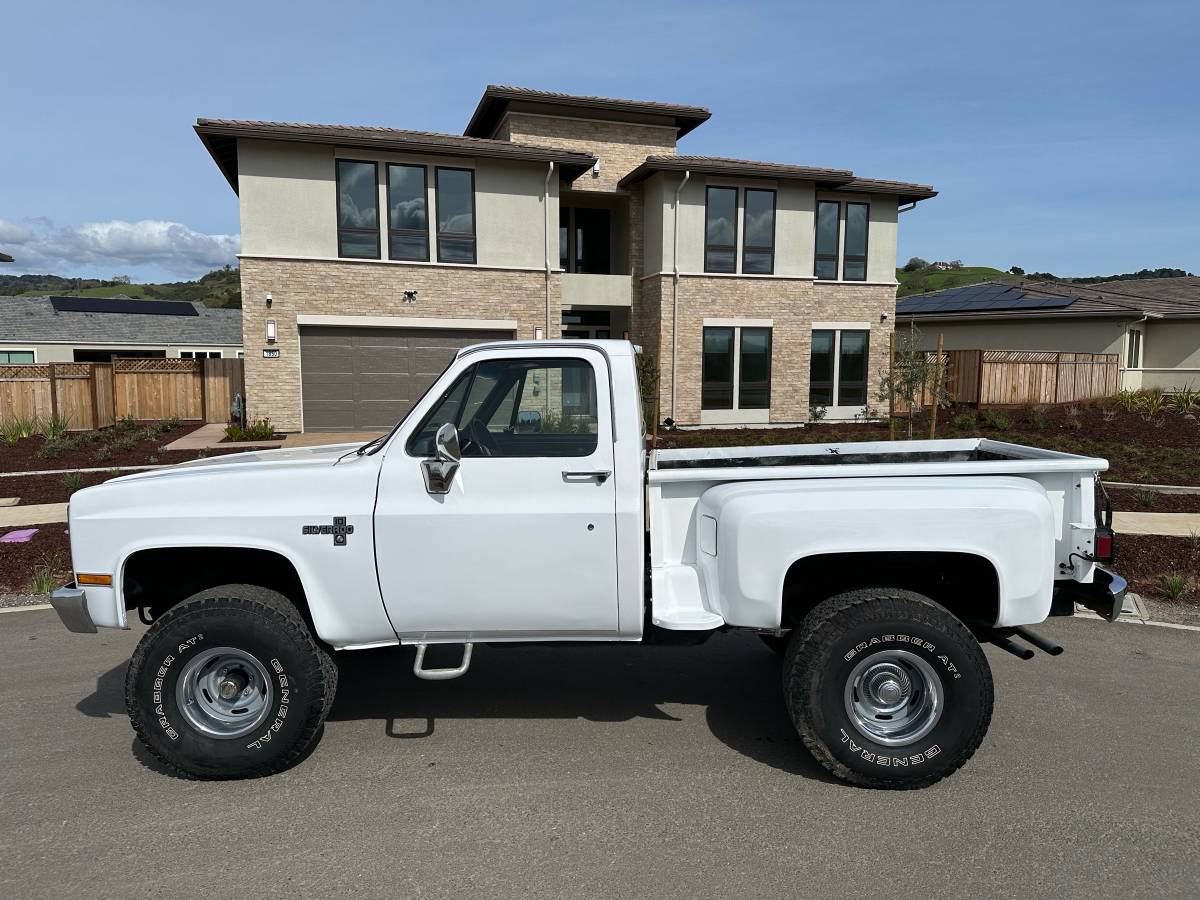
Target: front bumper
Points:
x,y
1105,596
70,602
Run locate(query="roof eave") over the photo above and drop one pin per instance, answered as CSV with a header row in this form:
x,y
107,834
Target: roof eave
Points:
x,y
648,168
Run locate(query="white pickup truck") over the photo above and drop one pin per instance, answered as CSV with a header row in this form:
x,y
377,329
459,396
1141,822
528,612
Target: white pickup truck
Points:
x,y
516,502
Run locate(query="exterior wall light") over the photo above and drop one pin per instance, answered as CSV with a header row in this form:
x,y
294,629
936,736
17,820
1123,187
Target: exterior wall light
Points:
x,y
539,333
269,299
270,331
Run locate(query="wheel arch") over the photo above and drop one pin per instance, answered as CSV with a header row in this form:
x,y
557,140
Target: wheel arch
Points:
x,y
965,583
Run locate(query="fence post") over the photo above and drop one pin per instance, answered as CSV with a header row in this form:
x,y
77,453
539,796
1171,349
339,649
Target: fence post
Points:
x,y
202,365
95,396
892,385
933,400
53,392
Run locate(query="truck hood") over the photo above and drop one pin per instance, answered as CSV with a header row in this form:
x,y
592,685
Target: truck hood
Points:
x,y
293,458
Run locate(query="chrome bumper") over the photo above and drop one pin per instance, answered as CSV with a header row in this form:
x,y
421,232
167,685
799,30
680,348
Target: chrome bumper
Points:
x,y
70,603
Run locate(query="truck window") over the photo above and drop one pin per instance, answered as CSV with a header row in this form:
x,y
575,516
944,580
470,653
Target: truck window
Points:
x,y
518,408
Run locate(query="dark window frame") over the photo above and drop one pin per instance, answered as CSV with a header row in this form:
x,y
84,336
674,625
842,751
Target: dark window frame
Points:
x,y
337,208
408,232
746,246
437,212
731,248
741,379
866,355
845,218
733,350
835,382
819,257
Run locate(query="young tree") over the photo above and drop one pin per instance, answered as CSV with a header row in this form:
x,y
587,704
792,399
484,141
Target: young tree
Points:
x,y
916,374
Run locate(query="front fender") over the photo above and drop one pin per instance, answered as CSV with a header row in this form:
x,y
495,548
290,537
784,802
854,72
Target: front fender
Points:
x,y
763,528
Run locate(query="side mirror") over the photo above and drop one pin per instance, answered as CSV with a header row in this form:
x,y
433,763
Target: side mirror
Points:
x,y
446,444
439,472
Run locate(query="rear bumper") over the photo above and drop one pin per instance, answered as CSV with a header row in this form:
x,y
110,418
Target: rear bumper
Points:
x,y
1105,596
70,602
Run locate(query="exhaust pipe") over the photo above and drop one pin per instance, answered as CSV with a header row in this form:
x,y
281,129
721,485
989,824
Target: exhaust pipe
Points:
x,y
1015,649
1032,637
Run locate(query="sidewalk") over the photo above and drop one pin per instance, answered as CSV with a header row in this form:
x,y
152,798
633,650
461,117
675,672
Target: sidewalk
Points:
x,y
32,514
212,436
1173,524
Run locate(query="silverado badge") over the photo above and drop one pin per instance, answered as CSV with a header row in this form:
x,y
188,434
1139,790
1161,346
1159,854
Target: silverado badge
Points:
x,y
339,529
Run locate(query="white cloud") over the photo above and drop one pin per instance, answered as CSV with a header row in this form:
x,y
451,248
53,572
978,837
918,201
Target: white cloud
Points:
x,y
95,248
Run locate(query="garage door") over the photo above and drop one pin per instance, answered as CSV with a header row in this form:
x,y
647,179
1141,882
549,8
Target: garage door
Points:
x,y
357,379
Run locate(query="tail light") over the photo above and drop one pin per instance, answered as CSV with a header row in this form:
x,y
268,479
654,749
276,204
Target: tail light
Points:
x,y
1105,542
1105,547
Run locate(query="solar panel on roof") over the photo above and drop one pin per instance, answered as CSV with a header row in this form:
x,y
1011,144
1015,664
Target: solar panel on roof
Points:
x,y
123,305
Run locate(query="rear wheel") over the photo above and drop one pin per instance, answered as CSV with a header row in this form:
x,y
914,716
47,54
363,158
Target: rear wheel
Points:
x,y
230,684
887,689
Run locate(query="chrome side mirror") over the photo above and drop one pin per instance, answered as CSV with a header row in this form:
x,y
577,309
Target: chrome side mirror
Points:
x,y
439,472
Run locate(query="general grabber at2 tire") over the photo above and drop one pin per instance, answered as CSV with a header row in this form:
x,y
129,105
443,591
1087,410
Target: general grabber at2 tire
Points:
x,y
230,683
887,689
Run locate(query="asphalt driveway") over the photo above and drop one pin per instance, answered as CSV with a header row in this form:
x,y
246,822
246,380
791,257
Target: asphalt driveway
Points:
x,y
607,771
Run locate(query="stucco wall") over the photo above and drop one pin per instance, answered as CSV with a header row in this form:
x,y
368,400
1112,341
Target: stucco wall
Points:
x,y
1172,345
48,353
288,203
1061,336
795,205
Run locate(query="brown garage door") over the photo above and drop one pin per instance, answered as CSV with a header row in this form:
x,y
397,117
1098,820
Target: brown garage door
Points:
x,y
355,379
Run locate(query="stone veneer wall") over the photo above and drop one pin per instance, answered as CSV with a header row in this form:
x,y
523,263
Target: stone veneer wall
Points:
x,y
792,305
302,287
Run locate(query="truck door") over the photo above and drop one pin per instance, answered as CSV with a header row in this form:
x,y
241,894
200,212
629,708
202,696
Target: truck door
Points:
x,y
524,541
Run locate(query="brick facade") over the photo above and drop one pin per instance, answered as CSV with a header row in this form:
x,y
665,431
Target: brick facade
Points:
x,y
301,287
791,304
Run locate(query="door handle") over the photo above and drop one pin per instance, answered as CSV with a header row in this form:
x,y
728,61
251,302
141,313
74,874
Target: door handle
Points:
x,y
601,475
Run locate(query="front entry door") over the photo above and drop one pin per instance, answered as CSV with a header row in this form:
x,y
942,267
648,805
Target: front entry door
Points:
x,y
524,543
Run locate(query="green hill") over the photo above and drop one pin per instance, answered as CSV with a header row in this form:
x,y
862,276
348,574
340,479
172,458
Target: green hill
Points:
x,y
923,280
221,288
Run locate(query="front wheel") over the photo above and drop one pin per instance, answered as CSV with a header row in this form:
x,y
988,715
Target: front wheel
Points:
x,y
229,684
887,689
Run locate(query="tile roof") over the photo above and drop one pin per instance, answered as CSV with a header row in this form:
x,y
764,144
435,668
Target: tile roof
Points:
x,y
4,257
497,97
1183,289
997,299
220,137
34,320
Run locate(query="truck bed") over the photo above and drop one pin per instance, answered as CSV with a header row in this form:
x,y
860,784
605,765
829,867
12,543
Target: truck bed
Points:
x,y
968,456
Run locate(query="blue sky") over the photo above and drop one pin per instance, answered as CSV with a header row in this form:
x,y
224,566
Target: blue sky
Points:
x,y
1063,137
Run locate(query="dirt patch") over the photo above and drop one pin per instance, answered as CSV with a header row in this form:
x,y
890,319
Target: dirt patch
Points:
x,y
1147,562
127,446
49,548
49,488
1153,501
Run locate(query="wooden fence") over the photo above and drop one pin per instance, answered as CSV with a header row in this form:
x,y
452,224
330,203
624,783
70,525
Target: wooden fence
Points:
x,y
95,395
1018,377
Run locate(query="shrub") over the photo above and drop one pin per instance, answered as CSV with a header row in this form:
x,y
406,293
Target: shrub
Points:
x,y
963,421
1145,499
126,423
15,429
102,453
1126,400
72,481
169,424
1194,539
1074,424
1184,401
45,574
1036,417
54,427
817,413
915,264
262,430
997,419
1174,585
1151,403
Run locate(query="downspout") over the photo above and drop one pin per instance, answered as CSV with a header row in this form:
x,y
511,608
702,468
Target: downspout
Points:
x,y
546,222
675,292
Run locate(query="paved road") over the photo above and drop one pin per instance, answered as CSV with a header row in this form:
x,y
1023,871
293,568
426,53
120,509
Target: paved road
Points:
x,y
607,771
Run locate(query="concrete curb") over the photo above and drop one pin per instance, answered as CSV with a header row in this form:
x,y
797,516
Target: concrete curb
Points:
x,y
1157,488
96,469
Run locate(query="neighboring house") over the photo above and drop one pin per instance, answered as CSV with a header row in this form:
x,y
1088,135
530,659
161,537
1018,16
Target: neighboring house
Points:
x,y
370,254
1153,324
87,329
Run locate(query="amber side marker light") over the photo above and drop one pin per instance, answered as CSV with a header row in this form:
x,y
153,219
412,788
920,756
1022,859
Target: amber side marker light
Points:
x,y
83,578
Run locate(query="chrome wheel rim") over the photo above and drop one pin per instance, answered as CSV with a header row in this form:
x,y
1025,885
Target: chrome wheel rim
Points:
x,y
224,692
894,697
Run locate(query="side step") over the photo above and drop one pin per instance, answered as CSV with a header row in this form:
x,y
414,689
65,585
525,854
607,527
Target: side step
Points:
x,y
441,674
678,604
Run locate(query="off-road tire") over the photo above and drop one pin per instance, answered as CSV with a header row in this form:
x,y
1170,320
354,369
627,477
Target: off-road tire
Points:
x,y
843,631
251,619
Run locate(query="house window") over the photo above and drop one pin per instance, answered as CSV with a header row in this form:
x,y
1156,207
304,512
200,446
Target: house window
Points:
x,y
758,241
199,354
1134,355
17,356
720,229
854,266
585,240
455,215
837,373
736,368
826,266
408,225
358,209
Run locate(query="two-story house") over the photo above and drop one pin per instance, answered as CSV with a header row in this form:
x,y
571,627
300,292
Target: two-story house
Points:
x,y
369,255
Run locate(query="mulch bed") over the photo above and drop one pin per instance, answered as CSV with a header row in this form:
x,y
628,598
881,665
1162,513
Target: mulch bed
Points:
x,y
1143,560
48,547
1153,501
47,488
25,455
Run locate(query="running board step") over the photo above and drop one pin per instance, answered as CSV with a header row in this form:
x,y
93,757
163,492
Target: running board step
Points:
x,y
441,674
677,603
